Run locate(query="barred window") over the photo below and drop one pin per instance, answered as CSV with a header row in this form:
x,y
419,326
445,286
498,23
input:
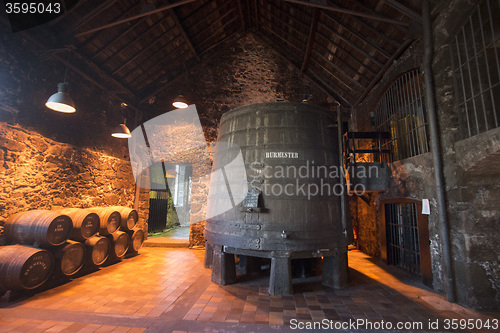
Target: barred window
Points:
x,y
401,112
476,70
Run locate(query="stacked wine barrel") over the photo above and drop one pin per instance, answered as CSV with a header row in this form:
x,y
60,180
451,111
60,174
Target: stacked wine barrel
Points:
x,y
59,243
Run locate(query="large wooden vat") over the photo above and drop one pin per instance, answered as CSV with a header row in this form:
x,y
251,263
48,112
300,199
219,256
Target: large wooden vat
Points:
x,y
292,207
24,267
42,227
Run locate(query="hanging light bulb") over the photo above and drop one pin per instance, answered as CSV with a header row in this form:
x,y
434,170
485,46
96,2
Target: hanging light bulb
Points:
x,y
180,102
121,131
61,101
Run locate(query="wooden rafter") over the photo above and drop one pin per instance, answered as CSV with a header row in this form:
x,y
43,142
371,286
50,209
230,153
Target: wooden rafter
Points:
x,y
135,17
405,10
183,33
359,36
202,31
336,78
242,18
351,44
347,54
340,70
310,39
349,11
381,73
93,13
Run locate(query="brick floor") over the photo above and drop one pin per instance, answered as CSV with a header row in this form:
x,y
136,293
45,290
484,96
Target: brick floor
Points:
x,y
169,290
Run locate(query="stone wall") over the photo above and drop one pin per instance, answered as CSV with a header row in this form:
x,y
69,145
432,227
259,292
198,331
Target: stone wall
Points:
x,y
472,187
39,173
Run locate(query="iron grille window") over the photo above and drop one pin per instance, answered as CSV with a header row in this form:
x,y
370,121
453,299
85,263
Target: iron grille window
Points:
x,y
403,248
476,69
401,112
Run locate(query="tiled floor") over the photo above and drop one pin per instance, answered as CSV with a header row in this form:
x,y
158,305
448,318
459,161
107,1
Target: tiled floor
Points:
x,y
169,290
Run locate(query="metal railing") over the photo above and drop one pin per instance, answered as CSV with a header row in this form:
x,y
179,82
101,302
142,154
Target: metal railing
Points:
x,y
476,69
401,112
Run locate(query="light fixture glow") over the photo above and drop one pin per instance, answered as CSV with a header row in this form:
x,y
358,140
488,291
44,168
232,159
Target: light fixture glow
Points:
x,y
180,102
61,101
121,131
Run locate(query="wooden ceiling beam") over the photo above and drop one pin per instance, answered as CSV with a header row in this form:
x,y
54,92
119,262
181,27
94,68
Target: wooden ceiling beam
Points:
x,y
323,87
347,54
326,87
404,10
206,16
142,51
381,73
310,39
183,33
135,17
376,31
199,33
351,44
349,12
235,18
359,36
339,70
288,15
92,14
242,18
130,43
280,35
347,87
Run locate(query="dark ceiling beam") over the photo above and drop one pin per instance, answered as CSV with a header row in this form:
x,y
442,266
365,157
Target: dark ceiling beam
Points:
x,y
92,14
376,31
326,87
61,17
135,17
242,18
381,73
280,35
361,3
340,70
130,43
220,18
349,12
351,44
359,36
291,28
305,26
206,16
257,27
235,18
336,78
142,51
404,10
310,39
124,33
183,33
102,73
323,87
346,54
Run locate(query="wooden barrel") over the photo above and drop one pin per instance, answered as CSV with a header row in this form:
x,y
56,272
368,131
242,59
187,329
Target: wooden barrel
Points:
x,y
85,224
23,267
42,227
120,241
98,249
129,217
290,155
69,257
110,219
136,239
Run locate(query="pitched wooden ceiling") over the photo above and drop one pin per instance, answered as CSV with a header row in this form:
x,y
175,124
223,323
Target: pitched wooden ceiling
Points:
x,y
136,48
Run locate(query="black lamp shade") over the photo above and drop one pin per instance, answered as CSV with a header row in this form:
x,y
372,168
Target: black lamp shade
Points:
x,y
180,102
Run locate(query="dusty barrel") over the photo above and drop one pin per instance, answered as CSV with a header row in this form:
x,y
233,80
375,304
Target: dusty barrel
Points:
x,y
136,239
98,248
119,244
42,227
23,267
290,156
85,224
69,257
110,219
129,217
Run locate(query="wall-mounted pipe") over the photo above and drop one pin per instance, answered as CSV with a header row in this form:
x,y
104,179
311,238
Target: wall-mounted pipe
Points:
x,y
436,152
